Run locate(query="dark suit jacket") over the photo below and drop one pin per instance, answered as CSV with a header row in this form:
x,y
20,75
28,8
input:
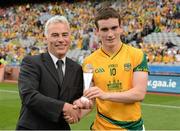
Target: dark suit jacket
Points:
x,y
42,95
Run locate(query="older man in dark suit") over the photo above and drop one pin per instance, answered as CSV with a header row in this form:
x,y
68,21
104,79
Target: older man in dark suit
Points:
x,y
50,82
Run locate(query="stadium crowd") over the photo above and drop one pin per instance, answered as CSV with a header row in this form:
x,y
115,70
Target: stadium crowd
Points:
x,y
21,27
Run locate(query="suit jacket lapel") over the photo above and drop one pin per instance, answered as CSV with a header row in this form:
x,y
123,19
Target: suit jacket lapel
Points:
x,y
48,62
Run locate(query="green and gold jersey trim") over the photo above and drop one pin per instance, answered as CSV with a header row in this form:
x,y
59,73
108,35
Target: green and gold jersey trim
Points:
x,y
130,125
114,54
143,65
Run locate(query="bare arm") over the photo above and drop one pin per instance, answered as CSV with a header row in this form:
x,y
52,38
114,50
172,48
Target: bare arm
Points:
x,y
136,93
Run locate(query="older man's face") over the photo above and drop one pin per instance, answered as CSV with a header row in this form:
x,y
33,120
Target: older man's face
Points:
x,y
58,39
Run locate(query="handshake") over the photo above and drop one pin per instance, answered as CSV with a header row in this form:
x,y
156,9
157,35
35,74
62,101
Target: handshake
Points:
x,y
80,107
74,112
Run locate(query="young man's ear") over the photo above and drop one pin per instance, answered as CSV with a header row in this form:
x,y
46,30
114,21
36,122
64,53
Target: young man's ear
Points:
x,y
121,30
96,31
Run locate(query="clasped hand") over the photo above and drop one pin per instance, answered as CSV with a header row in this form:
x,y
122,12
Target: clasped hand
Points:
x,y
73,113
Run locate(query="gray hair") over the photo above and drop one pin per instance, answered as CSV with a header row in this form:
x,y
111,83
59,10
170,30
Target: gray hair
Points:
x,y
55,19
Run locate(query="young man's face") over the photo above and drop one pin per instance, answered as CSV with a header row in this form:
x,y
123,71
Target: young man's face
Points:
x,y
58,39
109,32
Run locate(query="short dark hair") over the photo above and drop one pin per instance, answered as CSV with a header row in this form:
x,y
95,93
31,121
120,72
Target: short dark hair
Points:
x,y
106,13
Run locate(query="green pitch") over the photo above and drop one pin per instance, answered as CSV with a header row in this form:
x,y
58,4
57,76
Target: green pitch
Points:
x,y
159,112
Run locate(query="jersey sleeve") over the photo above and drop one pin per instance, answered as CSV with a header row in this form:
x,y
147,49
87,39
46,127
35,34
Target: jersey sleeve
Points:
x,y
143,65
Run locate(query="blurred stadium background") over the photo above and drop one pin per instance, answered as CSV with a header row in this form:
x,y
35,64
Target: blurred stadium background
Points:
x,y
152,25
